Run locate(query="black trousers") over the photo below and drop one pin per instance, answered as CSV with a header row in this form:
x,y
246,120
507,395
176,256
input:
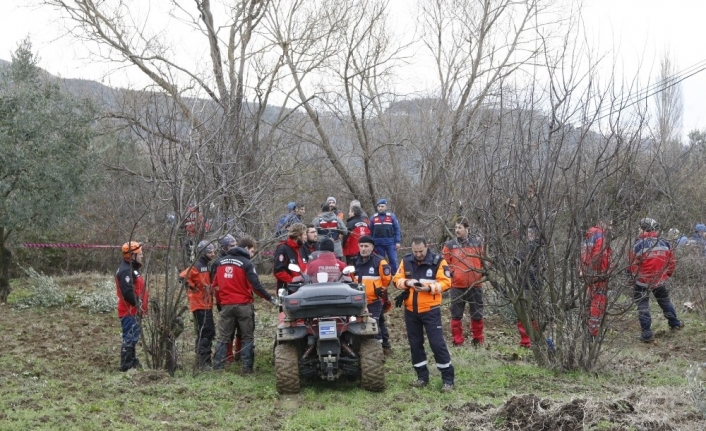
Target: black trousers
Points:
x,y
417,324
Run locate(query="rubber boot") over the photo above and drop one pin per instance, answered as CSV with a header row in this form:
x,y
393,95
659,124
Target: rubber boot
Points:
x,y
524,338
457,332
219,359
238,348
125,359
128,359
477,332
248,357
204,353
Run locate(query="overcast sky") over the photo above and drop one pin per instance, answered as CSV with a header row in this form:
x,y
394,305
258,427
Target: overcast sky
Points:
x,y
639,30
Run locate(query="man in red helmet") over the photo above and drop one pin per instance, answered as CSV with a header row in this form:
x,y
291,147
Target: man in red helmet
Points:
x,y
132,302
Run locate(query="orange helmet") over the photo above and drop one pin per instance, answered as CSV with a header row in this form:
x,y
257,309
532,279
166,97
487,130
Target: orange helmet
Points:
x,y
131,247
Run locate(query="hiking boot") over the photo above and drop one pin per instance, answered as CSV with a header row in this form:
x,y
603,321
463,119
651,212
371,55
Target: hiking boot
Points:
x,y
448,387
646,339
247,370
678,327
476,343
387,351
419,383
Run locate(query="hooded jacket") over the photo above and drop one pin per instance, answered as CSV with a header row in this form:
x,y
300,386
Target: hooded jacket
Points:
x,y
325,262
357,226
235,279
651,260
287,252
595,254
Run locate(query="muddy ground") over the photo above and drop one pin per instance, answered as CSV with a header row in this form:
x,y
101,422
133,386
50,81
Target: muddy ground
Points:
x,y
61,344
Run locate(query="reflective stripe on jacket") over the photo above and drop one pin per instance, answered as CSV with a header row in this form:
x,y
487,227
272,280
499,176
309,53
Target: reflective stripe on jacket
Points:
x,y
433,271
372,273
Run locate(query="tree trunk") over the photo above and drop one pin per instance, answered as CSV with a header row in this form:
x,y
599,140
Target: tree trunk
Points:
x,y
5,259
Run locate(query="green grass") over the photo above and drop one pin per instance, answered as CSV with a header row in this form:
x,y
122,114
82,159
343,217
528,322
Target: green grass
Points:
x,y
58,370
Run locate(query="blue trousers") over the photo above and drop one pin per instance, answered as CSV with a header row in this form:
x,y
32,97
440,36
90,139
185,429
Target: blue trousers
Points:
x,y
390,251
131,331
642,299
417,324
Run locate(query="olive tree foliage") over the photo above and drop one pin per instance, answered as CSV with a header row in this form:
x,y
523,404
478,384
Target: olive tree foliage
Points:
x,y
45,153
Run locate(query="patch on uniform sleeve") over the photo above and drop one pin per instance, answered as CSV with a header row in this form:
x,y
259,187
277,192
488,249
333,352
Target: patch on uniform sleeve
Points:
x,y
447,271
386,270
127,278
281,258
253,269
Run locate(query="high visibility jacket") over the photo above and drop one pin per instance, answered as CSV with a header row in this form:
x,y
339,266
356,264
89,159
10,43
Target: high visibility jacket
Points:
x,y
432,271
464,257
198,283
651,260
595,253
373,273
288,252
235,279
130,288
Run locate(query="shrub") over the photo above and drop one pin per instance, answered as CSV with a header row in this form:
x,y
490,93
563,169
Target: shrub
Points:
x,y
43,292
695,380
102,300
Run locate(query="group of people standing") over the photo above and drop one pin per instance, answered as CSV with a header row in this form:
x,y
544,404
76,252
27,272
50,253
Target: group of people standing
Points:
x,y
370,244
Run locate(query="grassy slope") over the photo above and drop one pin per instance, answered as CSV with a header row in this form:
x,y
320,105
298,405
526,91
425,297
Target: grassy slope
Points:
x,y
58,370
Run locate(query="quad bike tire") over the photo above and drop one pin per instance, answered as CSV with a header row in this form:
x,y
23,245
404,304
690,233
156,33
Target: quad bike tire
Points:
x,y
287,369
372,366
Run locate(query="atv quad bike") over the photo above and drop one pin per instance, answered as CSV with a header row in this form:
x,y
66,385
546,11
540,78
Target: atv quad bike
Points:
x,y
325,331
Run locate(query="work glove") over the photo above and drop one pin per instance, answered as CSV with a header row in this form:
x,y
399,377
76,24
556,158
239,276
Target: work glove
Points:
x,y
399,299
274,301
380,292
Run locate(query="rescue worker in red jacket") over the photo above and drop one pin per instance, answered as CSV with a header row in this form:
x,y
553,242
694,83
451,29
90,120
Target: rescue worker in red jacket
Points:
x,y
423,276
357,226
651,264
234,282
198,282
132,302
373,272
325,263
234,347
291,251
594,269
465,258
